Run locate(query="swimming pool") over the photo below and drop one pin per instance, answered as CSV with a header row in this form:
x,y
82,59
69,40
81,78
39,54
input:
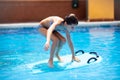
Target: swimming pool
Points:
x,y
24,45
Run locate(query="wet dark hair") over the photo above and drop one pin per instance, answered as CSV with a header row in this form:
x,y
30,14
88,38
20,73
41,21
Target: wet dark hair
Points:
x,y
71,19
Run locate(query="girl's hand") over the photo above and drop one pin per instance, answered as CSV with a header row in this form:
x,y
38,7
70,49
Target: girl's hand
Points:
x,y
75,59
46,46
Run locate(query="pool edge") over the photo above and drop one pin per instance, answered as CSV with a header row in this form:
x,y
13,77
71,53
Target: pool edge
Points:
x,y
81,23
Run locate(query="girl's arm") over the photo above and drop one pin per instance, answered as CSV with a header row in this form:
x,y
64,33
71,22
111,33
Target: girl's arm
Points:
x,y
70,42
71,46
49,33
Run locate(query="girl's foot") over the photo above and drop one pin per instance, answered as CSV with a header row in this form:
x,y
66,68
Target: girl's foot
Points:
x,y
58,57
50,63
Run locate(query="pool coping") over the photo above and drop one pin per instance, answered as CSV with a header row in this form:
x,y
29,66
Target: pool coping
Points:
x,y
81,23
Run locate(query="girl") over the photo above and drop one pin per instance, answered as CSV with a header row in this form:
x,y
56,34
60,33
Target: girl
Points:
x,y
49,26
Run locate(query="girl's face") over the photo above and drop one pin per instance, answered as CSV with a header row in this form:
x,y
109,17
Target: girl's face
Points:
x,y
70,27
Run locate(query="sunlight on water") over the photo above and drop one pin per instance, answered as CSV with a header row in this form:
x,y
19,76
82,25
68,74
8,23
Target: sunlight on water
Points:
x,y
22,46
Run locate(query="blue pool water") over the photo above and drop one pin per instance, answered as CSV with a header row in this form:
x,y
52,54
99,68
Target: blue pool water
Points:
x,y
21,46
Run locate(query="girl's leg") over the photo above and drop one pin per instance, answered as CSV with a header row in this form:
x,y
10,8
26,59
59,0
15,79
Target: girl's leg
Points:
x,y
55,41
62,40
52,51
60,44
